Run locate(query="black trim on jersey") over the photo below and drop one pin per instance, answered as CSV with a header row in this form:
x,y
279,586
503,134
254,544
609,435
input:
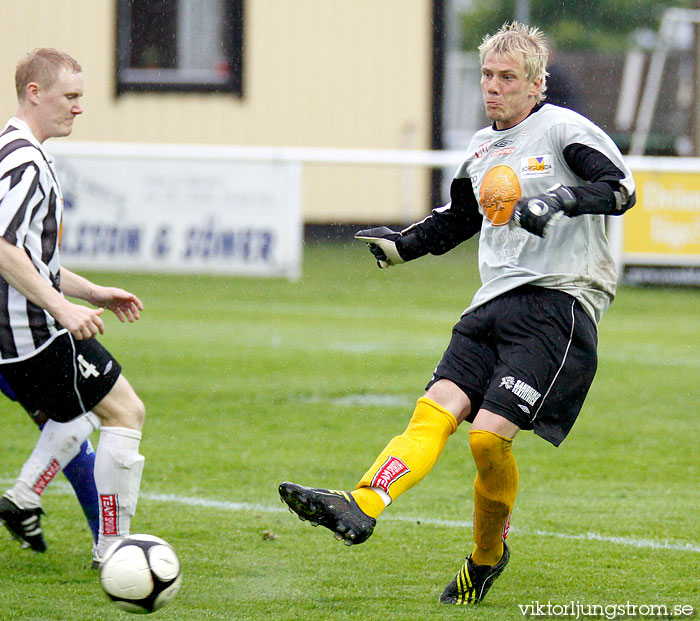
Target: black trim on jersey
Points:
x,y
446,227
604,194
10,128
11,230
10,147
38,324
49,231
7,340
16,173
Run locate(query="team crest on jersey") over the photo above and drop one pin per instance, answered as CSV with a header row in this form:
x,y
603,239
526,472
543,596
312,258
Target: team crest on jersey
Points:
x,y
499,191
536,166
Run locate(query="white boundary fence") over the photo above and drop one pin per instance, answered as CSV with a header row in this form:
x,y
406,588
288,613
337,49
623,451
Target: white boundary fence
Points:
x,y
237,210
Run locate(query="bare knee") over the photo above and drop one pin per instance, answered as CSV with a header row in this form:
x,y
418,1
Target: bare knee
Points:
x,y
450,396
136,414
122,407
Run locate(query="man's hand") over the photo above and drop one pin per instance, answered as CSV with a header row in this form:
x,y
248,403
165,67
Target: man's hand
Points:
x,y
124,305
382,244
82,322
538,213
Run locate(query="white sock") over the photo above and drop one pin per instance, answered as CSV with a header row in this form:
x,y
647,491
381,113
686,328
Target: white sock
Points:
x,y
58,444
118,468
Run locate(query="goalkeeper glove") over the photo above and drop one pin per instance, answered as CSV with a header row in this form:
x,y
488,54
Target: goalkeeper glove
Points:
x,y
382,244
538,213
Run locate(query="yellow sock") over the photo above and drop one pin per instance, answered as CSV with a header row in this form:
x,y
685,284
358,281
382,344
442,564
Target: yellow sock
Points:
x,y
495,489
369,501
408,457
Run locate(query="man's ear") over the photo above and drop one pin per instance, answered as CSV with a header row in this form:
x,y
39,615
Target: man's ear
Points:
x,y
32,91
536,87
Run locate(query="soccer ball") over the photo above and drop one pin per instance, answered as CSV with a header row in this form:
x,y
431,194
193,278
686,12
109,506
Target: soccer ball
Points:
x,y
141,573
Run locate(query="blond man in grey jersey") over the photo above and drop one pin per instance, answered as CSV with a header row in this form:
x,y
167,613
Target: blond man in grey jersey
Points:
x,y
535,186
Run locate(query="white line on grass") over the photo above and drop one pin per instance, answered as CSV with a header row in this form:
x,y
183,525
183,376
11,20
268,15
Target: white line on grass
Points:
x,y
64,488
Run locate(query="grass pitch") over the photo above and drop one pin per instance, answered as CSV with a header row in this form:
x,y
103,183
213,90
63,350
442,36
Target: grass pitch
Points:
x,y
252,382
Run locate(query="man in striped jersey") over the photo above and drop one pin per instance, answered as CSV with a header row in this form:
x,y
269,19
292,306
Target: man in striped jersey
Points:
x,y
48,353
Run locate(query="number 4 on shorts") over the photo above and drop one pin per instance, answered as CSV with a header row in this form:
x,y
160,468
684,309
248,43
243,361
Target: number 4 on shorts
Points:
x,y
87,369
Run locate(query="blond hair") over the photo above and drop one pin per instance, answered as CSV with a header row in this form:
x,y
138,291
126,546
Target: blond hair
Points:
x,y
42,66
517,38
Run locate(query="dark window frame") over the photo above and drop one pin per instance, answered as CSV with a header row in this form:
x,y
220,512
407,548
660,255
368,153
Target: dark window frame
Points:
x,y
233,39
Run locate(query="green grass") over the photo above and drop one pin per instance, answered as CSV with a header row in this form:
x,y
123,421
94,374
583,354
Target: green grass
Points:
x,y
251,382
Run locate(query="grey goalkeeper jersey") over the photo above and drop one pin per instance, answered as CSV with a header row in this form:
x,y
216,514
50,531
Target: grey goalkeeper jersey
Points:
x,y
552,145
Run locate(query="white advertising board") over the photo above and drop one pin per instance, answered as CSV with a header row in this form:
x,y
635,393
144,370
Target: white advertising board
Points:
x,y
177,209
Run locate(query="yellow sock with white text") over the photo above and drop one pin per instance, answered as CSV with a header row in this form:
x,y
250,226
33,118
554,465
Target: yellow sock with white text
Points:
x,y
407,458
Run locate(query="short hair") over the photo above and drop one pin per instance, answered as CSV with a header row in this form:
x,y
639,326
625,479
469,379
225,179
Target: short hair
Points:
x,y
42,66
519,38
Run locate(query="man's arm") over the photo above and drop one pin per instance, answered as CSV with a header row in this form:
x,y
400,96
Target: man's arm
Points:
x,y
445,228
124,305
604,194
18,270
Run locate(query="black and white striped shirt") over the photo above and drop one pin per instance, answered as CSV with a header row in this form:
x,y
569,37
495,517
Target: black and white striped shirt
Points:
x,y
31,214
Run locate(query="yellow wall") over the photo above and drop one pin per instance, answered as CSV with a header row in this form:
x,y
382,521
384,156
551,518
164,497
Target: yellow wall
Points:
x,y
325,73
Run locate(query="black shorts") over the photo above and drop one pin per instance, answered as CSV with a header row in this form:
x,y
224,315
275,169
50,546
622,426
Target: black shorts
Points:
x,y
528,355
64,380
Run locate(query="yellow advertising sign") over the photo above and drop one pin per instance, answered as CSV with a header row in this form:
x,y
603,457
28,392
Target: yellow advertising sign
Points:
x,y
666,219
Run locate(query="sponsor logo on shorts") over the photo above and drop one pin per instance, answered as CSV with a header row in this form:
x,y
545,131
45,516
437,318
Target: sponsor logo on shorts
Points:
x,y
507,382
46,477
108,368
537,166
520,389
109,514
390,472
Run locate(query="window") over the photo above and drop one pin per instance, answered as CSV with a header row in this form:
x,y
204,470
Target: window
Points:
x,y
180,45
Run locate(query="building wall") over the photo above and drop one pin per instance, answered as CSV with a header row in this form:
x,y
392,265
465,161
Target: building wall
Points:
x,y
324,73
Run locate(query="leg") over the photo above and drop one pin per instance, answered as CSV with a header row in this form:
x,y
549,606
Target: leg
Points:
x,y
80,474
408,458
118,464
495,488
496,484
58,445
405,461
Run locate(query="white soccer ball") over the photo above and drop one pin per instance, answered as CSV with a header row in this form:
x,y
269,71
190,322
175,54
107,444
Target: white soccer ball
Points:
x,y
141,573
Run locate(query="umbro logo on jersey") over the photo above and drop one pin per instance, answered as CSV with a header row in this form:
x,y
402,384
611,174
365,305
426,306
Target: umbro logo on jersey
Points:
x,y
504,142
